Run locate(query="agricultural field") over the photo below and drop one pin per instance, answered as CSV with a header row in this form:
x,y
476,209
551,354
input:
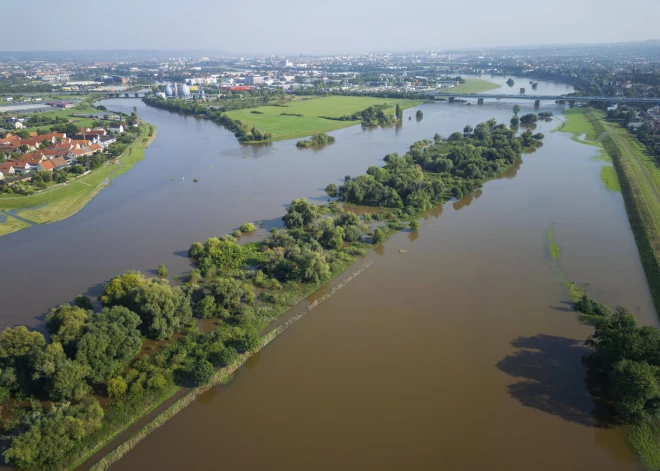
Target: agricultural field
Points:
x,y
270,118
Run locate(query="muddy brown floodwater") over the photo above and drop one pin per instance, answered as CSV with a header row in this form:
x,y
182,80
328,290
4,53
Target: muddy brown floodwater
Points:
x,y
461,353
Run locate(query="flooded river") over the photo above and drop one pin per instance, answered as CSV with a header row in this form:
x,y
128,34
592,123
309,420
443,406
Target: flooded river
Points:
x,y
461,353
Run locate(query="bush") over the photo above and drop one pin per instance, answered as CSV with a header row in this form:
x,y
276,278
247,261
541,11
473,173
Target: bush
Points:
x,y
379,236
162,271
117,387
248,227
586,305
414,225
202,371
229,356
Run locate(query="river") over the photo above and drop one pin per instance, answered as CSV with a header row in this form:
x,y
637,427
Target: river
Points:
x,y
460,353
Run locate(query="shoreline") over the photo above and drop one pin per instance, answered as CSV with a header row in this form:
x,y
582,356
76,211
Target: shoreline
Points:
x,y
639,200
39,213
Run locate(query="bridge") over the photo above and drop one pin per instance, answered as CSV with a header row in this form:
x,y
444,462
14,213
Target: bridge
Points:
x,y
138,94
537,98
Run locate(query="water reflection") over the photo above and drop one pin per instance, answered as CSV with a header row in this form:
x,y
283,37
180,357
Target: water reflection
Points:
x,y
413,236
463,202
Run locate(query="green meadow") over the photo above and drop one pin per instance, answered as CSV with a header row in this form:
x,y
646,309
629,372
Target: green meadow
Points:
x,y
270,118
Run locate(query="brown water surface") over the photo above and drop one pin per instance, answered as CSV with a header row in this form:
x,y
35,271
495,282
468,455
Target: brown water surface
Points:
x,y
463,353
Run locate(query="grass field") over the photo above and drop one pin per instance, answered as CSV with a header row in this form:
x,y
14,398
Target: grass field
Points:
x,y
609,178
473,86
64,201
11,224
639,182
554,248
291,127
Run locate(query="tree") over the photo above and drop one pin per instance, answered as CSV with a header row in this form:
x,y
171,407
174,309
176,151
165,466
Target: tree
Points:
x,y
66,324
163,309
111,342
51,437
299,214
515,121
118,288
419,115
636,390
414,225
516,109
467,129
162,271
202,371
196,249
379,236
83,302
248,227
510,82
64,379
206,308
117,387
16,344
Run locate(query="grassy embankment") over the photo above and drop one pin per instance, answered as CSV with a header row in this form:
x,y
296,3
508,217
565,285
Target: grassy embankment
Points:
x,y
9,224
64,201
283,127
639,180
473,86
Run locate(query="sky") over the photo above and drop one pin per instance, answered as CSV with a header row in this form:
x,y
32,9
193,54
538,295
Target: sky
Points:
x,y
312,27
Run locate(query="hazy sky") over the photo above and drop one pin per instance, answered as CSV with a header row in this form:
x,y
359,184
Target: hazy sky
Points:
x,y
308,26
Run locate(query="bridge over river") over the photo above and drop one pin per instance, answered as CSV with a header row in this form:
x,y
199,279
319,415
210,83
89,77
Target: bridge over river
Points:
x,y
537,98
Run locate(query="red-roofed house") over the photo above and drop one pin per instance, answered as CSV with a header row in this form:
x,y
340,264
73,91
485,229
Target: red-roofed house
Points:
x,y
7,169
46,166
56,152
59,162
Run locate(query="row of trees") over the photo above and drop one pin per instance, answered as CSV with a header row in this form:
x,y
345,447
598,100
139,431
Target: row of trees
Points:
x,y
243,131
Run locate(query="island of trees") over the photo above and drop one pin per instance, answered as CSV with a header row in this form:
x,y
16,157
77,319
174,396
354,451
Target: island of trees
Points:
x,y
316,140
64,395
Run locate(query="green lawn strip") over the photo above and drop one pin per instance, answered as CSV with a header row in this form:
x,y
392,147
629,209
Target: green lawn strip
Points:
x,y
11,225
284,127
65,200
473,86
609,178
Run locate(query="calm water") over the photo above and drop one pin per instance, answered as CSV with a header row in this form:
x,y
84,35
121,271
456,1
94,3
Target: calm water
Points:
x,y
461,353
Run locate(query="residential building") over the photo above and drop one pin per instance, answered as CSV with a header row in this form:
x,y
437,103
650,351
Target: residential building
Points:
x,y
117,127
46,166
59,162
105,141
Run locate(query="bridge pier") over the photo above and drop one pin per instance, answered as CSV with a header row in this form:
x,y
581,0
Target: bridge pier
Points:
x,y
136,95
537,103
451,99
571,103
480,101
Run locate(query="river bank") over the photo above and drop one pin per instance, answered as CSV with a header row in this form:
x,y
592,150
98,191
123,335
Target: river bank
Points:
x,y
66,200
638,179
